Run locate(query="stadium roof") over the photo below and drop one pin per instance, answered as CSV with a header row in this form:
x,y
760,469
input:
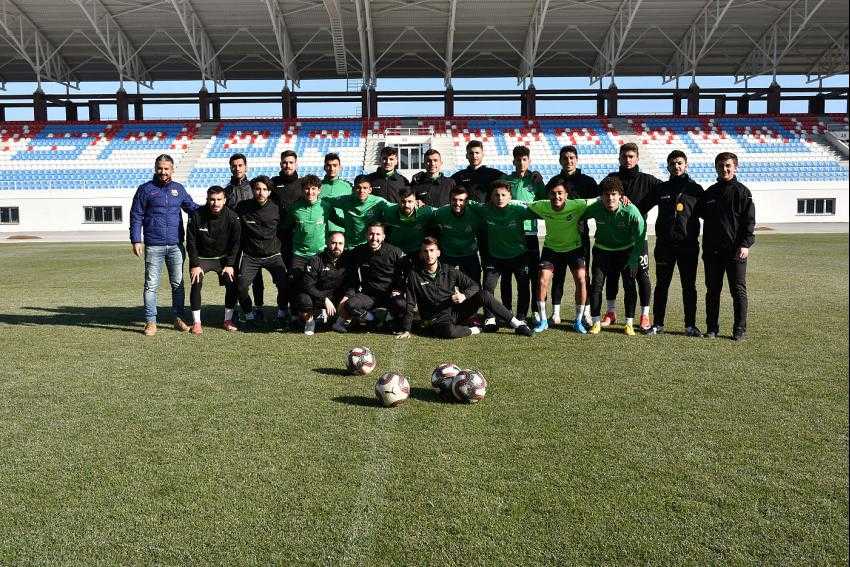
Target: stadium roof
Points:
x,y
69,41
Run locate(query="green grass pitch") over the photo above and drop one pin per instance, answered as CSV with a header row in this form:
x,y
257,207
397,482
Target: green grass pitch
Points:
x,y
253,448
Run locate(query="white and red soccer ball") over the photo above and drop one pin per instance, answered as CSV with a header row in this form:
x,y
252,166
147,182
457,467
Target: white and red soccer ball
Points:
x,y
360,361
469,386
441,378
392,388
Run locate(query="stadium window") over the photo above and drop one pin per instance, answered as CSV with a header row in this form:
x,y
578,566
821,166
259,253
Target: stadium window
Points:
x,y
9,215
815,206
410,157
105,215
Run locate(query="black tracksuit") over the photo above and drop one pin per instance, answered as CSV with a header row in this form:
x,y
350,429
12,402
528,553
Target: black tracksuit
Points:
x,y
432,191
639,188
432,294
729,217
212,243
324,278
238,190
286,189
677,242
387,186
580,186
371,278
477,181
260,249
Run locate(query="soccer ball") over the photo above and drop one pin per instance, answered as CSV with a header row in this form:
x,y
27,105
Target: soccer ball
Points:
x,y
361,361
392,389
469,386
441,378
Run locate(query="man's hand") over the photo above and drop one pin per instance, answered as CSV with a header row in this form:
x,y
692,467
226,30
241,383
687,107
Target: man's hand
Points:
x,y
403,335
626,200
138,249
743,253
457,296
228,272
196,274
330,309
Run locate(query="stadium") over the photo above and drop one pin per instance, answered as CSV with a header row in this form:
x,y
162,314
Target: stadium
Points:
x,y
258,448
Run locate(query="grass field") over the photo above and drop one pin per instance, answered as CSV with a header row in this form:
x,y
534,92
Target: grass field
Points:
x,y
254,448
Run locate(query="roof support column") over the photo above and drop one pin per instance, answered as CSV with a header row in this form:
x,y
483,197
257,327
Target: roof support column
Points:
x,y
693,100
743,105
720,105
70,111
123,105
774,96
94,111
39,106
449,102
138,108
677,103
611,96
204,104
817,104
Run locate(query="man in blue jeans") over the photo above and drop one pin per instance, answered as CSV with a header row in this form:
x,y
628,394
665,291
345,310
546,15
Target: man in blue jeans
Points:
x,y
156,212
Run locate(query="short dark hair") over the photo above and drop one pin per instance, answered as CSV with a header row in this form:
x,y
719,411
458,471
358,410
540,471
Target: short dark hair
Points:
x,y
521,151
264,179
458,190
214,190
163,157
676,154
474,144
377,223
288,153
568,150
430,241
362,178
405,192
723,156
431,152
555,181
499,184
311,181
332,233
333,156
612,183
629,147
389,151
235,157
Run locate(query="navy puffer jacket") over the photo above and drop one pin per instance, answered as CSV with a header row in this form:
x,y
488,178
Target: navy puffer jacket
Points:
x,y
156,213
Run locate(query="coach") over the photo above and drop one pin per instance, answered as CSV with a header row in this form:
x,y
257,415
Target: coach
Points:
x,y
156,214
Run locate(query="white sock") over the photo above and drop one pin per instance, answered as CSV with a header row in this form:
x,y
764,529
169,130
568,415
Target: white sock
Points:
x,y
516,323
595,319
228,314
556,310
196,316
541,308
537,316
474,330
587,315
579,311
281,313
612,304
630,321
490,321
644,310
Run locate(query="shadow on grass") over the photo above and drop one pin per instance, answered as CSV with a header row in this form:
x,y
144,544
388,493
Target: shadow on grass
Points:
x,y
332,371
127,319
361,401
428,395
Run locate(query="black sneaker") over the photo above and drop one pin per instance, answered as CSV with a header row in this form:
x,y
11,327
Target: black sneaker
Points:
x,y
693,332
710,335
739,336
524,330
491,328
259,315
655,330
251,326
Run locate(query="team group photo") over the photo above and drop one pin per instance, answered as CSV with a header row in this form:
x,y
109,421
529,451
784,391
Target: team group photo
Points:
x,y
424,282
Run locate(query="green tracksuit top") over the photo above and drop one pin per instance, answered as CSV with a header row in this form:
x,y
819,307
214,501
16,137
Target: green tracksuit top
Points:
x,y
524,189
309,227
406,232
505,234
357,215
458,234
335,188
619,230
562,232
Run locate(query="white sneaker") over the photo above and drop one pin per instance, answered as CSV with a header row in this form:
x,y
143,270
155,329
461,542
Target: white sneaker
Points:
x,y
310,328
556,319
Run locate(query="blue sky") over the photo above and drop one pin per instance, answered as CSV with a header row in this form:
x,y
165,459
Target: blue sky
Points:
x,y
419,109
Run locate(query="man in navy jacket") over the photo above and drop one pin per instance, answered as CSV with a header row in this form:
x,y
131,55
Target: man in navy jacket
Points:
x,y
156,221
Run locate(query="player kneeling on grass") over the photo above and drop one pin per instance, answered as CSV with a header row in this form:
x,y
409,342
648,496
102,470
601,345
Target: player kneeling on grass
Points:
x,y
322,285
448,298
562,248
212,242
374,279
620,234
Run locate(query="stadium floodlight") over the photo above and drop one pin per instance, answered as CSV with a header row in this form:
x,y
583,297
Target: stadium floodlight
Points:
x,y
832,61
27,40
114,44
613,46
532,40
697,41
777,40
202,53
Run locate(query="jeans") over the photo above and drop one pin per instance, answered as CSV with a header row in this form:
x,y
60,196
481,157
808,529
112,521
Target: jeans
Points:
x,y
173,255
